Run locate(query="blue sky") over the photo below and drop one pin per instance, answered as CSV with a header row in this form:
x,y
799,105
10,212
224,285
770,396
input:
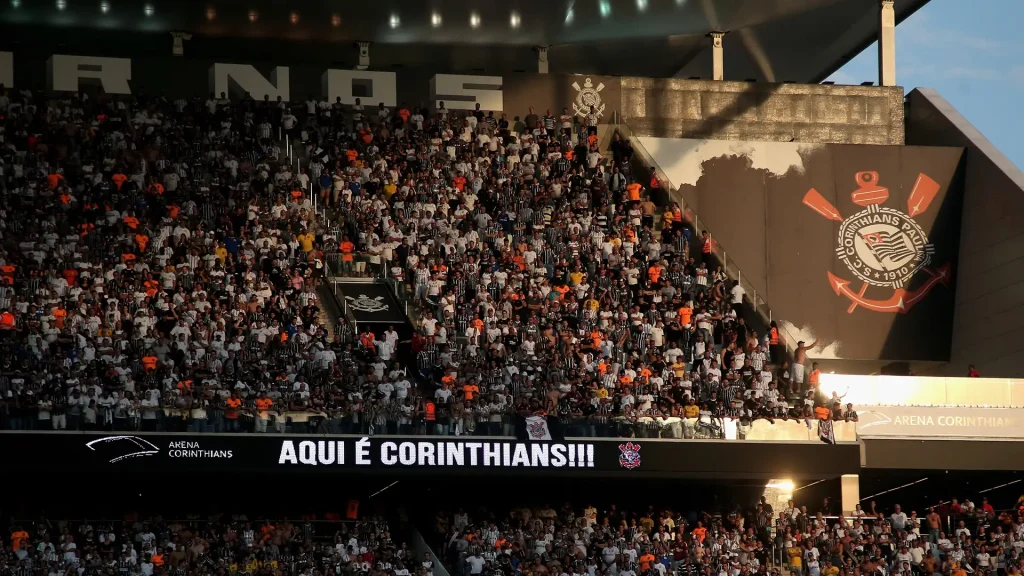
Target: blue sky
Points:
x,y
968,50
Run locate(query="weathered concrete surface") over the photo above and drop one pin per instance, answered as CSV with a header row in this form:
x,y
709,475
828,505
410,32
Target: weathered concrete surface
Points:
x,y
990,281
670,108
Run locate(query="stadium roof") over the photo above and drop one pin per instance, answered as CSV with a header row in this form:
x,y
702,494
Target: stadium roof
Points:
x,y
773,40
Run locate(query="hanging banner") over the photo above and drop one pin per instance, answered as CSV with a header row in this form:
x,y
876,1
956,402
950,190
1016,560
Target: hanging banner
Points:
x,y
939,422
156,452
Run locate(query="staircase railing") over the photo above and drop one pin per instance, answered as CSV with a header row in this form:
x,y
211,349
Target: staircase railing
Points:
x,y
729,266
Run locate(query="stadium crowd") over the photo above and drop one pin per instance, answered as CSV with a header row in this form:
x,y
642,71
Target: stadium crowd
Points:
x,y
222,545
953,540
161,259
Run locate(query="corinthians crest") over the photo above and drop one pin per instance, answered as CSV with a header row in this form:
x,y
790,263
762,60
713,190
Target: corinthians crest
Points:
x,y
883,246
588,96
366,304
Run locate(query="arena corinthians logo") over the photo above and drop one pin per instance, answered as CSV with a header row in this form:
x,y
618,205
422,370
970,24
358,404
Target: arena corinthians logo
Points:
x,y
123,447
120,448
883,246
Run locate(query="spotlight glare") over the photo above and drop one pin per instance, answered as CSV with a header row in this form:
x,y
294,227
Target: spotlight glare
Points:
x,y
605,8
253,16
335,20
514,19
474,20
435,19
104,7
148,10
641,5
395,22
62,4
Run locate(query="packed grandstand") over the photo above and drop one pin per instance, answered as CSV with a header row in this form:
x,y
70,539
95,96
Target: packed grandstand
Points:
x,y
164,263
952,539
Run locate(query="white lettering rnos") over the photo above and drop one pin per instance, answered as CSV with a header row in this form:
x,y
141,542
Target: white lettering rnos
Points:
x,y
66,73
312,453
7,69
248,81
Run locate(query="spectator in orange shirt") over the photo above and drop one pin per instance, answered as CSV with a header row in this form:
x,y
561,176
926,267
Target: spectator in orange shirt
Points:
x,y
231,410
54,180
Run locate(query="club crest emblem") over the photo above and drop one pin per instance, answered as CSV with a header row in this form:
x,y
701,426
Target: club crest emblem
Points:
x,y
538,430
882,246
629,455
366,304
587,96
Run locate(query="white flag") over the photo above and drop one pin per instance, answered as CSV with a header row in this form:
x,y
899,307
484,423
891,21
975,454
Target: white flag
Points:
x,y
825,432
537,428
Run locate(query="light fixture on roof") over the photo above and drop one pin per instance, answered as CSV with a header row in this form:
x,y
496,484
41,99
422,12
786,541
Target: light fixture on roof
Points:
x,y
474,19
211,13
293,17
514,19
605,8
435,19
394,21
335,20
104,7
148,10
62,4
15,3
253,16
641,5
569,17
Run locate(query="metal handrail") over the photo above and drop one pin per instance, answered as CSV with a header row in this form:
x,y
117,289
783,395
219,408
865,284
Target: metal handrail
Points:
x,y
731,269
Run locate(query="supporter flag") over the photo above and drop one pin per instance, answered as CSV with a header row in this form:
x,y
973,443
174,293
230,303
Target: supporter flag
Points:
x,y
537,428
825,432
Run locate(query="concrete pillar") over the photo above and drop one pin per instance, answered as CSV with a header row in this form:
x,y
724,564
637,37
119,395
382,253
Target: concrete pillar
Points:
x,y
364,55
887,44
717,59
542,59
851,492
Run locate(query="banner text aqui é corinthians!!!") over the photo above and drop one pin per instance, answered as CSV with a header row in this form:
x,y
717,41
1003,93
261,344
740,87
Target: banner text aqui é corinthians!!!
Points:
x,y
436,453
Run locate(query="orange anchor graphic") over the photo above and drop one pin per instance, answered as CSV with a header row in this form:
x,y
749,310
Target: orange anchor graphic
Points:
x,y
883,246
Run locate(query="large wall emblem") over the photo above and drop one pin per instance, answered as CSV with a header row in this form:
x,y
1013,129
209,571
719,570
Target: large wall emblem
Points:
x,y
883,246
587,96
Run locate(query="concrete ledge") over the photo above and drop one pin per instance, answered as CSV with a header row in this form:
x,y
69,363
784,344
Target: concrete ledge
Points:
x,y
766,112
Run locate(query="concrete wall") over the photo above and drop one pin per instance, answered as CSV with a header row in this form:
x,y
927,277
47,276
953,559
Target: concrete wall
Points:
x,y
989,308
670,108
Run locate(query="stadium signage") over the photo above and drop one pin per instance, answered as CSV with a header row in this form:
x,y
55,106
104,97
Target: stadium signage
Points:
x,y
938,421
185,453
67,73
452,454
